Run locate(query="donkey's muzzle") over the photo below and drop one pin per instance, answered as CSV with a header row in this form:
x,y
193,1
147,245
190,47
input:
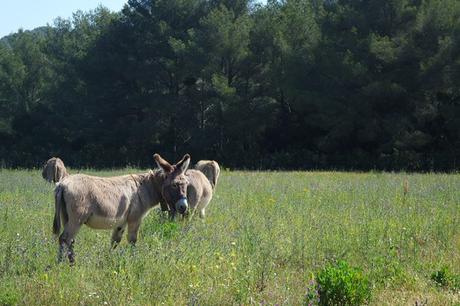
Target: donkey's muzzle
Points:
x,y
182,205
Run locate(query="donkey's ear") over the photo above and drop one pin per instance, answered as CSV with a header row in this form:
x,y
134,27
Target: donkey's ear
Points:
x,y
163,164
183,164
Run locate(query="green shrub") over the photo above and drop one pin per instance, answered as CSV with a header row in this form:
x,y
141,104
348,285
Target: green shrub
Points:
x,y
341,284
441,277
446,279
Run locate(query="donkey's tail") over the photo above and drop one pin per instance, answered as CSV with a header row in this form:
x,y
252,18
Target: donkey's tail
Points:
x,y
59,208
44,172
56,178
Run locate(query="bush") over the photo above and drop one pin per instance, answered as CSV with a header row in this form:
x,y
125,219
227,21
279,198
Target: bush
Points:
x,y
446,279
340,284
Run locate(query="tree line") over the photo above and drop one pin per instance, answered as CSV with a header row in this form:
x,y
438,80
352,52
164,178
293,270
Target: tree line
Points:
x,y
292,84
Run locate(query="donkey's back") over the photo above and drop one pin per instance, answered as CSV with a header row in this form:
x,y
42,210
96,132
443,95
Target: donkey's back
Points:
x,y
99,202
210,169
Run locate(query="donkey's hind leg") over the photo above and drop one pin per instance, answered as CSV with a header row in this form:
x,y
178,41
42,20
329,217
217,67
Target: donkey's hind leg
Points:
x,y
67,240
204,203
133,228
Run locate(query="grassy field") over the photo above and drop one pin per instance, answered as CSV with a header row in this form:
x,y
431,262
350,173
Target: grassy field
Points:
x,y
266,235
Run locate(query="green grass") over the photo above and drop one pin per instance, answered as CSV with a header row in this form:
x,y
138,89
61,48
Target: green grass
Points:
x,y
266,234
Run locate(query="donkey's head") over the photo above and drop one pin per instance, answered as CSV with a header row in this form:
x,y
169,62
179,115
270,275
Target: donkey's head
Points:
x,y
174,189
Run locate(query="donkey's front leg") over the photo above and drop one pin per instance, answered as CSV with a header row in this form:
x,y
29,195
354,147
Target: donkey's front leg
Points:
x,y
190,214
164,209
117,235
164,206
172,213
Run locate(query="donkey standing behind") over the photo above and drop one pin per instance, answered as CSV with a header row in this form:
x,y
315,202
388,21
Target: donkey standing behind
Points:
x,y
184,190
54,170
122,201
210,169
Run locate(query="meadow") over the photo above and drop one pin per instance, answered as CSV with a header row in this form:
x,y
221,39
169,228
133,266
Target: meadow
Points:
x,y
266,236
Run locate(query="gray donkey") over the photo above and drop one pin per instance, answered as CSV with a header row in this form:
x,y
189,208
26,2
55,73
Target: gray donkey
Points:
x,y
185,191
123,201
54,170
210,169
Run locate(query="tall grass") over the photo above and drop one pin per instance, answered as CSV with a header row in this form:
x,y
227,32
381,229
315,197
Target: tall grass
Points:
x,y
266,234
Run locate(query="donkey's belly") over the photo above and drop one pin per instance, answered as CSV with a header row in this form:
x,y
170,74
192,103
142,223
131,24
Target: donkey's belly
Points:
x,y
99,222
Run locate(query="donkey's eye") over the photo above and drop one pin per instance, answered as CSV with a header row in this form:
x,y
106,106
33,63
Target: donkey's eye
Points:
x,y
174,185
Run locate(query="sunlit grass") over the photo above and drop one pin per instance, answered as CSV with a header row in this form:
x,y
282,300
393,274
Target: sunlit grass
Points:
x,y
265,235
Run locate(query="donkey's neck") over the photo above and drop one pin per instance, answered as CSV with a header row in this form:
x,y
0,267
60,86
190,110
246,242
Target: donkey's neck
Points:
x,y
149,187
157,179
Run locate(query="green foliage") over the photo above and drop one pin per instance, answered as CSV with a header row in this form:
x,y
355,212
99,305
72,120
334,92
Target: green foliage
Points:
x,y
341,284
284,84
446,279
441,277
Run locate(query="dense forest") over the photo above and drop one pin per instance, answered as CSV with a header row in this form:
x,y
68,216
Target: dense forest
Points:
x,y
293,84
